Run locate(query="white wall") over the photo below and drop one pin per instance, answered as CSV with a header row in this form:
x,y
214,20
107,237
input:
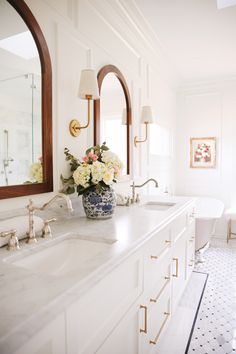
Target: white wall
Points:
x,y
83,33
208,110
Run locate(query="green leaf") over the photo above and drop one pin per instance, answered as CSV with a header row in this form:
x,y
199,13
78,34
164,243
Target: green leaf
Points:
x,y
88,151
70,190
104,148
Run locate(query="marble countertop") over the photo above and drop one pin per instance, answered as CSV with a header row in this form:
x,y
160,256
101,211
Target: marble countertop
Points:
x,y
29,300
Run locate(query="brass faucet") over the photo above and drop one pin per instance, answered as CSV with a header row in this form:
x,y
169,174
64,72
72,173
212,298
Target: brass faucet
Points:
x,y
135,199
31,237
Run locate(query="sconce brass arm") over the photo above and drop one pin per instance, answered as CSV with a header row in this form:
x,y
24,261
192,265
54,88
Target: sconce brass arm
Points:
x,y
136,141
75,126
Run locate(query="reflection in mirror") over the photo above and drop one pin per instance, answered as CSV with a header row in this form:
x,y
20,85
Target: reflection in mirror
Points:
x,y
113,130
112,114
20,101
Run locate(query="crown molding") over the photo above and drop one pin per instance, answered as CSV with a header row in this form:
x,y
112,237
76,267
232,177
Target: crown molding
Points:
x,y
126,20
211,84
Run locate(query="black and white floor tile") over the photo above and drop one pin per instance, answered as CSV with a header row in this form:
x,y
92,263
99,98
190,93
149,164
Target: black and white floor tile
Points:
x,y
215,327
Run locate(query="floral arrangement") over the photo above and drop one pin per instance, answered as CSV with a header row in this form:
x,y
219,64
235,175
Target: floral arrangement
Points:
x,y
99,169
36,172
202,153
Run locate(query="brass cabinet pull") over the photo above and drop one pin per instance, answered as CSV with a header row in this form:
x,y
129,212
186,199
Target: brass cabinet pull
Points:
x,y
145,319
167,314
161,291
177,267
153,257
167,241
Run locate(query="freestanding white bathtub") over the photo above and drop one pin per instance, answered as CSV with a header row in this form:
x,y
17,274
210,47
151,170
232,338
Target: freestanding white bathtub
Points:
x,y
208,210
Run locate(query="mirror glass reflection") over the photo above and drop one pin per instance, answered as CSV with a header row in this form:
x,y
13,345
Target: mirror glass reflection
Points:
x,y
20,102
113,124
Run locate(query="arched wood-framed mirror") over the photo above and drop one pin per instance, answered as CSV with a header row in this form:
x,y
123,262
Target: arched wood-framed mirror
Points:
x,y
112,113
40,86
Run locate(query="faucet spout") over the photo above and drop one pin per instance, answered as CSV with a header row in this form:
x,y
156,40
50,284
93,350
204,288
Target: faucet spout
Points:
x,y
133,186
149,180
32,208
58,196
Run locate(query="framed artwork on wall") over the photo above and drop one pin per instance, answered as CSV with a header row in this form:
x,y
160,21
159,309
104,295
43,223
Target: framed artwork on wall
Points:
x,y
203,152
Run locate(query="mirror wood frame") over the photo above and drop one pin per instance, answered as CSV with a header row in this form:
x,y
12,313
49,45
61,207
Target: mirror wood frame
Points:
x,y
46,99
107,69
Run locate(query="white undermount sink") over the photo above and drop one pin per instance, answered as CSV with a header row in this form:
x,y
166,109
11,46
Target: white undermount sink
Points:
x,y
64,257
157,206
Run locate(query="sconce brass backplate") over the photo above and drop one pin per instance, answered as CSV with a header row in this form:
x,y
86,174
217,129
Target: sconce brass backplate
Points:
x,y
74,127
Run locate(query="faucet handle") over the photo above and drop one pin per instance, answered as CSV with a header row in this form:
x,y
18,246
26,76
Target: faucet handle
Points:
x,y
137,200
13,243
46,231
128,201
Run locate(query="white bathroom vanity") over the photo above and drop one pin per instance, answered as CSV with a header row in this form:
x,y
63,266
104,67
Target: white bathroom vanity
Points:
x,y
105,286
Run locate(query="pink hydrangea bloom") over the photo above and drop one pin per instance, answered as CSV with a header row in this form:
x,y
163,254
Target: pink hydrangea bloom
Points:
x,y
94,157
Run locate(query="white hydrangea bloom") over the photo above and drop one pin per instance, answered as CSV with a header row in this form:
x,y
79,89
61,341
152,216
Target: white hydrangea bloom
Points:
x,y
82,175
108,176
36,172
97,170
112,161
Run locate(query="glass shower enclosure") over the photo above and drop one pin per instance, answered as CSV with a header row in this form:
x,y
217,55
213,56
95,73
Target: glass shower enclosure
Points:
x,y
20,128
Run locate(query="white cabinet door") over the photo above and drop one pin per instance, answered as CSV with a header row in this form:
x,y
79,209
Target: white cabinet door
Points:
x,y
124,338
50,340
92,318
178,269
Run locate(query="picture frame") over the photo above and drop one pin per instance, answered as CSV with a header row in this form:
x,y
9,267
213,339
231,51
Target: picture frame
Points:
x,y
203,152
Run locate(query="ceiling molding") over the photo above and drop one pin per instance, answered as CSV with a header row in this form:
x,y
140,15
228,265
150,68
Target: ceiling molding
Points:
x,y
126,21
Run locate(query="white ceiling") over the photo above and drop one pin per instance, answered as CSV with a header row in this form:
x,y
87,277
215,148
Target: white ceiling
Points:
x,y
198,38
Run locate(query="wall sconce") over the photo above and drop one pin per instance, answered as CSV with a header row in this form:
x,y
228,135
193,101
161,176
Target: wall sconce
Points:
x,y
88,90
146,118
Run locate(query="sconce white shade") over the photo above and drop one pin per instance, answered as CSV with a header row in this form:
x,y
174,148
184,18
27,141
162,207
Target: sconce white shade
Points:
x,y
88,84
124,117
146,115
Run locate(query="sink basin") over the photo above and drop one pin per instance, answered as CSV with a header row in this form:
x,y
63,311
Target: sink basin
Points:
x,y
158,206
65,257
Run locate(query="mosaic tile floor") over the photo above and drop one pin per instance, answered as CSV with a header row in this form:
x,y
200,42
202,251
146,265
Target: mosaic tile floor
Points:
x,y
215,327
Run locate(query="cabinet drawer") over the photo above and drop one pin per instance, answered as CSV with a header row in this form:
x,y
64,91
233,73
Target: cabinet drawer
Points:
x,y
190,260
157,317
92,318
156,270
156,257
179,226
191,215
162,283
191,233
158,244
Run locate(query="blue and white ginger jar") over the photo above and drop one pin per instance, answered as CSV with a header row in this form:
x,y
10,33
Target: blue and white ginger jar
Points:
x,y
99,204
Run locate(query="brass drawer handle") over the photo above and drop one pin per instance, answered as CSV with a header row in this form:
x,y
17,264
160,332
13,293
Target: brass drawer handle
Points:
x,y
145,319
153,257
167,314
162,289
167,241
177,267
